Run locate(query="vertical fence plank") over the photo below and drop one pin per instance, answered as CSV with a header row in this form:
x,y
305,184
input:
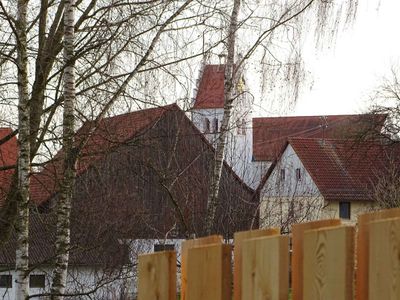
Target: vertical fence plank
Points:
x,y
297,253
362,273
186,245
329,263
265,268
157,276
384,259
239,238
209,272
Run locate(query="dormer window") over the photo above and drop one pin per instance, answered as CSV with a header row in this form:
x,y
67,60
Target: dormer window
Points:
x,y
206,125
215,125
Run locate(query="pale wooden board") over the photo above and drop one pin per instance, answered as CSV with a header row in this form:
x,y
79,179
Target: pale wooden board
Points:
x,y
239,237
265,268
209,272
362,270
297,252
188,244
328,271
157,276
384,260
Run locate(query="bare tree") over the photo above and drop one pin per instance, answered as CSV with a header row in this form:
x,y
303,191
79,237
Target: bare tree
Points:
x,y
386,185
108,34
22,196
385,181
65,199
386,101
229,84
291,14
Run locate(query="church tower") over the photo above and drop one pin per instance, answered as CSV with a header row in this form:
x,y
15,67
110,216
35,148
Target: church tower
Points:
x,y
207,113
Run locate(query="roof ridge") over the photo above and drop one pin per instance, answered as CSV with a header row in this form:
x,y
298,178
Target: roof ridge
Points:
x,y
318,116
355,140
164,107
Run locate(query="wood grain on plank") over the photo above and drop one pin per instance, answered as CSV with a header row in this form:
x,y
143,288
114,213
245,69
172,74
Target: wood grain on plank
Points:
x,y
265,268
239,237
209,273
157,276
328,270
297,252
188,244
362,270
384,259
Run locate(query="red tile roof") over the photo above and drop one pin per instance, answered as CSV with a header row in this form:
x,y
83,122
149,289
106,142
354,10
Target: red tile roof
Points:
x,y
109,133
210,93
8,158
344,169
271,134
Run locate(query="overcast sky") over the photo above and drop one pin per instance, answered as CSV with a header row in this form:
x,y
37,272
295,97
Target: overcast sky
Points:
x,y
345,77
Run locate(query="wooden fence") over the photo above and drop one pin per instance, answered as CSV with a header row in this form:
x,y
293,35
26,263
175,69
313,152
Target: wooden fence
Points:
x,y
329,261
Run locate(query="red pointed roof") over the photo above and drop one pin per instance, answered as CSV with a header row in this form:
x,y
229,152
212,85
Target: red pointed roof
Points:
x,y
210,93
8,158
109,133
271,134
343,169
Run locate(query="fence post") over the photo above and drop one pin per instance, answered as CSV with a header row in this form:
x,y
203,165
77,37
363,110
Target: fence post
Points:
x,y
384,259
265,268
329,263
297,252
188,244
239,238
209,272
362,273
157,276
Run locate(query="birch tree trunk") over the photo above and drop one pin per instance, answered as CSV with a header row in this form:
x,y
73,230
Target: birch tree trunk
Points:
x,y
22,222
229,85
66,191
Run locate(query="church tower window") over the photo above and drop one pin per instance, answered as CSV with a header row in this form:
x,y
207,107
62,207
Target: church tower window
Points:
x,y
206,125
215,125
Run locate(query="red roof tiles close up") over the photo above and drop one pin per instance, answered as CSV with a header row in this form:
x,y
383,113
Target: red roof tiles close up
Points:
x,y
344,169
271,134
109,133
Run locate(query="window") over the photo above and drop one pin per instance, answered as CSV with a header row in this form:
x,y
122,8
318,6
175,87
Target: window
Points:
x,y
243,126
298,174
206,125
215,125
164,247
344,210
37,281
5,281
282,175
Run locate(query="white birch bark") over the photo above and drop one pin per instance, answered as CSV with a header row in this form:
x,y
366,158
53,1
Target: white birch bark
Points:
x,y
64,201
22,222
229,85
